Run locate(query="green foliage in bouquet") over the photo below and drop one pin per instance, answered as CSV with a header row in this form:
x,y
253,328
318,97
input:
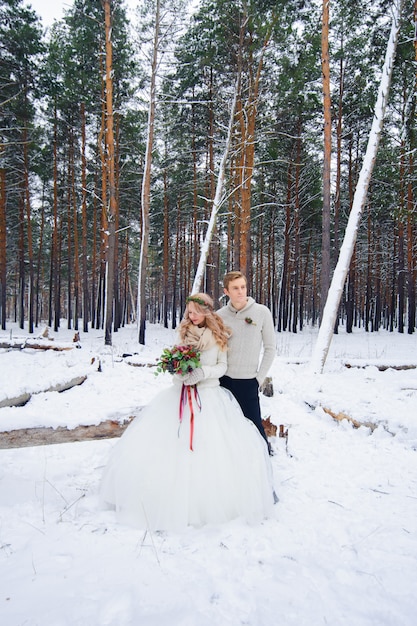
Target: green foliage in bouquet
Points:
x,y
178,360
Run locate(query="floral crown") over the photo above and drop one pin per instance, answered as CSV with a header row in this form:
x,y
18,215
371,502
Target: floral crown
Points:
x,y
197,300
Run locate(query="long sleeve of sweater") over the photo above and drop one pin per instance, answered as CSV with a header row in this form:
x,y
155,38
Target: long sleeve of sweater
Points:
x,y
252,346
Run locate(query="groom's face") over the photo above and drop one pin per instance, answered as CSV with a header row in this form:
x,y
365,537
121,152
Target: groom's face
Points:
x,y
237,292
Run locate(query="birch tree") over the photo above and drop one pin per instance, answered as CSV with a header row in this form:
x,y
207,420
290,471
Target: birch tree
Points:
x,y
167,20
146,183
325,334
217,201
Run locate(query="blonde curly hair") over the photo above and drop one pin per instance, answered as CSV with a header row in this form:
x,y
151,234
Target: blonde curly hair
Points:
x,y
204,305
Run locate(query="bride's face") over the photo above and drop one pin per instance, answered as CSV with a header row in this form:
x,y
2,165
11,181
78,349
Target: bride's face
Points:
x,y
197,318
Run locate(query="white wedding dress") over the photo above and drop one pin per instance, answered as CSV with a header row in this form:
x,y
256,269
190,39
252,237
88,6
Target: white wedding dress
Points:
x,y
154,480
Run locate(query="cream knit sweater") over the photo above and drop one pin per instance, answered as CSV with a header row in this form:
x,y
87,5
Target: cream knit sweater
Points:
x,y
252,330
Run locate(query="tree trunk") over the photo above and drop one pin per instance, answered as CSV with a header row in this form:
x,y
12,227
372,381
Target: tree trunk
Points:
x,y
368,289
377,317
411,256
110,177
116,272
22,278
194,239
246,114
31,286
73,204
350,294
86,316
411,252
325,242
104,226
303,284
165,259
54,309
146,184
3,242
338,185
297,259
283,294
94,271
69,248
175,272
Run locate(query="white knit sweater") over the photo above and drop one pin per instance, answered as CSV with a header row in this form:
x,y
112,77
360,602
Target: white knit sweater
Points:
x,y
252,330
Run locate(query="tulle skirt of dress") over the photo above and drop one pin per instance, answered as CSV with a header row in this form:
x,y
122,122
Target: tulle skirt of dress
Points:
x,y
155,481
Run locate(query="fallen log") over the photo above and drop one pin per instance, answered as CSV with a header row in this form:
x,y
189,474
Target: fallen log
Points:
x,y
24,398
27,437
381,367
138,363
16,344
355,423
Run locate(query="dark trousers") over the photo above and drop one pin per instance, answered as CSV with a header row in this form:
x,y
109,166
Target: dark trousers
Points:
x,y
246,392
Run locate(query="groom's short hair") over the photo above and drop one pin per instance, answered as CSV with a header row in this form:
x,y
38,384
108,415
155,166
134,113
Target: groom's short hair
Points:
x,y
231,276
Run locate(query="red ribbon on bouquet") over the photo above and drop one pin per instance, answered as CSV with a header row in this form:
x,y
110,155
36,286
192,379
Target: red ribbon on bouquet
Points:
x,y
186,396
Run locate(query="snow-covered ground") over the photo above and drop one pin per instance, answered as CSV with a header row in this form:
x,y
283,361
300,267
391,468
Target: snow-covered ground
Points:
x,y
339,549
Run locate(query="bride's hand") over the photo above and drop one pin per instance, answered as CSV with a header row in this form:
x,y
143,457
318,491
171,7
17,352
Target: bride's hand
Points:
x,y
193,377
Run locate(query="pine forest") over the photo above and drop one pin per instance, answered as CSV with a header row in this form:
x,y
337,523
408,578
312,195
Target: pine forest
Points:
x,y
146,150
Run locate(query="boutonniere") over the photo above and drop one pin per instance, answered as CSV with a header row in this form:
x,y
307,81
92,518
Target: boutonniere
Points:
x,y
249,321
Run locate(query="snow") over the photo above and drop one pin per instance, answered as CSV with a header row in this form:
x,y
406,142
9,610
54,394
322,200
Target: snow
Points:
x,y
340,548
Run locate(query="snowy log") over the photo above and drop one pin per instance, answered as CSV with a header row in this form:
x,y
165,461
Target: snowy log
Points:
x,y
20,344
23,398
355,423
26,437
381,367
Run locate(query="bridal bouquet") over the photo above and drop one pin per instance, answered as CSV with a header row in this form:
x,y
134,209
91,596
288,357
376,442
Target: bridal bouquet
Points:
x,y
178,360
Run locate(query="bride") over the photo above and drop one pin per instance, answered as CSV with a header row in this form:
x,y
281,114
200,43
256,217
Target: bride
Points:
x,y
191,457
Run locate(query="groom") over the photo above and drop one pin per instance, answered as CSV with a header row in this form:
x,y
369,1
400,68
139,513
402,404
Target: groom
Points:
x,y
252,329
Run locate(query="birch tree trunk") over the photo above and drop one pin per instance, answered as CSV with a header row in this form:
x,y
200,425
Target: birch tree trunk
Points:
x,y
217,202
325,335
146,185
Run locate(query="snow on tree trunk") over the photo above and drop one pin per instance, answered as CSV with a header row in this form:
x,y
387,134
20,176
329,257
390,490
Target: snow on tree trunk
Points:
x,y
217,202
325,334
